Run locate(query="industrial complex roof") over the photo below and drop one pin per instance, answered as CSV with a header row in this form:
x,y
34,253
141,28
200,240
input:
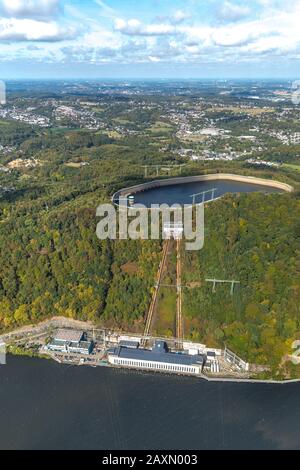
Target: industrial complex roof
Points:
x,y
68,335
129,344
158,354
81,345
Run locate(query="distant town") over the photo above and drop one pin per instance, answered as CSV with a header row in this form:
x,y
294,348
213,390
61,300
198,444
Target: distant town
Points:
x,y
230,125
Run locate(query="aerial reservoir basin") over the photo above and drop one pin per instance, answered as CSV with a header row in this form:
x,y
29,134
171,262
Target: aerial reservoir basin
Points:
x,y
197,189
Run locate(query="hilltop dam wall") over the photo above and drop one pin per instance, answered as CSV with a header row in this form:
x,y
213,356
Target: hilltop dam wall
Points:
x,y
193,179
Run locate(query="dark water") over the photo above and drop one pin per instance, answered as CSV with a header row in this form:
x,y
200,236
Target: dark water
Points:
x,y
181,193
45,405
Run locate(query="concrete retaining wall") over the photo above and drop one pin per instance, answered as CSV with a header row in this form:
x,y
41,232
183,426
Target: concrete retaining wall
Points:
x,y
249,381
192,179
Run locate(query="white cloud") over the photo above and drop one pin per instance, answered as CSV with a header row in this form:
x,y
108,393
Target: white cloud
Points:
x,y
32,30
170,39
233,12
153,58
236,36
279,30
179,16
134,27
29,8
101,38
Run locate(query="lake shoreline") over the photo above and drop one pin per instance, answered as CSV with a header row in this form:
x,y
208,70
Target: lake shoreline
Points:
x,y
177,181
45,328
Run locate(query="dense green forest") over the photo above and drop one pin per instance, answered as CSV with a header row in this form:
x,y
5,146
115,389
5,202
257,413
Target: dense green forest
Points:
x,y
52,262
55,265
255,239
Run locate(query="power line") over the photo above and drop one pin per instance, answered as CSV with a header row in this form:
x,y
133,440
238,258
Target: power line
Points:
x,y
160,167
203,193
221,281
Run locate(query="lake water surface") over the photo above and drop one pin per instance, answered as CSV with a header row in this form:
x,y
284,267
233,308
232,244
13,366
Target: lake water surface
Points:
x,y
181,193
44,405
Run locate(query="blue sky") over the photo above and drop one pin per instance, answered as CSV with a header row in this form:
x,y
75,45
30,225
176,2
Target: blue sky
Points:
x,y
149,38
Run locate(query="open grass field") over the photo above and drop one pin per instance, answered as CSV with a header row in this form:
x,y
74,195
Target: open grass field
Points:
x,y
193,138
291,166
120,120
73,165
160,127
165,310
237,110
166,313
114,134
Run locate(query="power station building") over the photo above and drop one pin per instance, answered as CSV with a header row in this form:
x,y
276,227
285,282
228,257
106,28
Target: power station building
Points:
x,y
157,359
70,341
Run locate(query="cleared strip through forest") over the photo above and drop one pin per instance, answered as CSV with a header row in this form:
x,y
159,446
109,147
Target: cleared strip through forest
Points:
x,y
179,319
149,319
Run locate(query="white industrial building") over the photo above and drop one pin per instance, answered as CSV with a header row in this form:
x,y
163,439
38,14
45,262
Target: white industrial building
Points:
x,y
157,359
